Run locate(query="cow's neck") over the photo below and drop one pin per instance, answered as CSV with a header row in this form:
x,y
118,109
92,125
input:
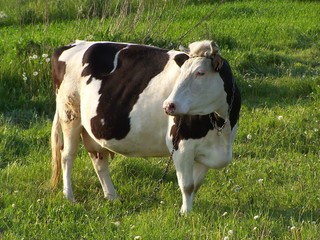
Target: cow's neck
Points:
x,y
223,111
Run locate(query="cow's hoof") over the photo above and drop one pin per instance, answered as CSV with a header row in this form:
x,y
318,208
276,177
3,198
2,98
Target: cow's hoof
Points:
x,y
69,196
184,211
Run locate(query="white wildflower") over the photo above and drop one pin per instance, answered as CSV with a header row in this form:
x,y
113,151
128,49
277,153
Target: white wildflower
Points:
x,y
226,238
3,14
230,232
117,224
249,136
45,55
224,214
161,202
280,118
255,228
260,180
48,60
35,56
137,237
35,73
256,217
13,205
293,228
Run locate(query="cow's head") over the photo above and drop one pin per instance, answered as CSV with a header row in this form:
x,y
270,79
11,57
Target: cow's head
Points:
x,y
199,88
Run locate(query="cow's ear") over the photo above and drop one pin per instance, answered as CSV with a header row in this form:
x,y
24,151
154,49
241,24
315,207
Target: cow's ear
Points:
x,y
181,58
217,62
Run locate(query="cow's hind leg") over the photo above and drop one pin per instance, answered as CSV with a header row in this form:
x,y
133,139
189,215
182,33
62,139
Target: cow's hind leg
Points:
x,y
71,136
100,160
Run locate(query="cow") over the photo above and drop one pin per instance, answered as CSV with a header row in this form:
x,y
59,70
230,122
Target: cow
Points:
x,y
143,101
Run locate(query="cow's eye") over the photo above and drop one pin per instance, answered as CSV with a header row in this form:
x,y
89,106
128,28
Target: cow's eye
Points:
x,y
199,74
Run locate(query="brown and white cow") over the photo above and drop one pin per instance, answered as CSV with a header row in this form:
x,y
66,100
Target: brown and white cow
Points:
x,y
113,96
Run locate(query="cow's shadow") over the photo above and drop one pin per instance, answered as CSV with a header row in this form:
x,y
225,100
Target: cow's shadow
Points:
x,y
285,216
142,172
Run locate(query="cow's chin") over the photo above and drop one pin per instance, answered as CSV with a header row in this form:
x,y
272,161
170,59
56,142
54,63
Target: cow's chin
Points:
x,y
203,110
193,112
172,113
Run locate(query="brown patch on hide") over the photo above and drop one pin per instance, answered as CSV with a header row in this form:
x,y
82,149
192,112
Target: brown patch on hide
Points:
x,y
193,127
72,109
58,67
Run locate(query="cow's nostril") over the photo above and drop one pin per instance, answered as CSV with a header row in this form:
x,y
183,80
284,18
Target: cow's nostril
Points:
x,y
170,108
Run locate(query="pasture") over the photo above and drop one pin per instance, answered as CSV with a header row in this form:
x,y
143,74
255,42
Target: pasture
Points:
x,y
269,191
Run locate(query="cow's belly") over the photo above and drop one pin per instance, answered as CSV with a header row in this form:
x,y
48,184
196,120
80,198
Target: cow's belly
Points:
x,y
146,138
135,147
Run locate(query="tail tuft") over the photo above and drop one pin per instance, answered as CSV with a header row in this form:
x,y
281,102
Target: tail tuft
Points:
x,y
56,146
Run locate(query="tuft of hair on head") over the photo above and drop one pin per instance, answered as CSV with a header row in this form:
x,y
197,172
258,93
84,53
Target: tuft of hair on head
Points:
x,y
204,48
207,49
199,48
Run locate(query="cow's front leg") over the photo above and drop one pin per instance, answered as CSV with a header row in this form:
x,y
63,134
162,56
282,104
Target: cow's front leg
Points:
x,y
184,168
199,173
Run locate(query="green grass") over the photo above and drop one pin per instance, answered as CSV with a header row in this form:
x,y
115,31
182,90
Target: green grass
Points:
x,y
269,191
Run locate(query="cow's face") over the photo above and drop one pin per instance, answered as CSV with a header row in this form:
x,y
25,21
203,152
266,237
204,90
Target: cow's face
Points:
x,y
198,90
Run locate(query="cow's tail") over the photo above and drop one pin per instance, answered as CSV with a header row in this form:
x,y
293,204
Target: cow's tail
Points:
x,y
56,146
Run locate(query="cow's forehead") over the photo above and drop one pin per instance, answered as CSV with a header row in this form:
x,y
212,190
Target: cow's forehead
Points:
x,y
194,62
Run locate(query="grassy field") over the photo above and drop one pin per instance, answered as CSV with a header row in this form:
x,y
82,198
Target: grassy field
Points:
x,y
269,191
